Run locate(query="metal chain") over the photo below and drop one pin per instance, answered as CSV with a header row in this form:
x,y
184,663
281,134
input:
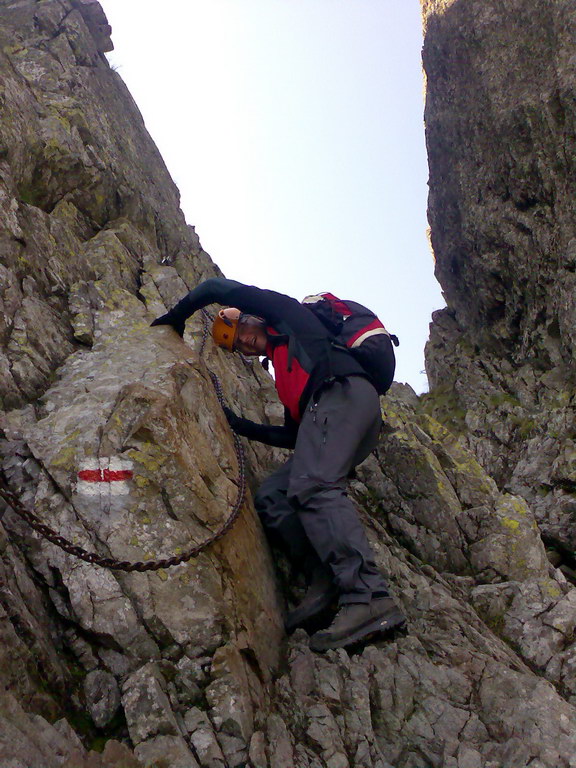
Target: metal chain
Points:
x,y
151,565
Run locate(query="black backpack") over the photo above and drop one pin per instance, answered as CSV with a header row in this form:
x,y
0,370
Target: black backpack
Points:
x,y
361,332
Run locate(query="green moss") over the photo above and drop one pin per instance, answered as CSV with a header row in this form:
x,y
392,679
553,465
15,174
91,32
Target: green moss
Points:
x,y
391,417
466,346
82,723
518,505
77,672
98,744
511,524
94,741
151,457
11,50
52,149
525,427
114,730
562,400
551,589
79,720
503,398
30,193
66,455
436,431
443,405
62,120
27,349
100,199
495,623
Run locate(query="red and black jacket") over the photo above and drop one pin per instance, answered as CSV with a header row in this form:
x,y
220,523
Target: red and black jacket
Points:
x,y
299,346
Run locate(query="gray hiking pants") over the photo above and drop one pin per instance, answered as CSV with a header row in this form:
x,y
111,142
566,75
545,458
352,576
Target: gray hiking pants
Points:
x,y
303,505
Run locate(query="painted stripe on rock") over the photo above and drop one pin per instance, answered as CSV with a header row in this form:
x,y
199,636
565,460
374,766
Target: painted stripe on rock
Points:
x,y
105,477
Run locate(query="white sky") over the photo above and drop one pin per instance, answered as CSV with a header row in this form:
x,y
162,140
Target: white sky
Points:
x,y
294,131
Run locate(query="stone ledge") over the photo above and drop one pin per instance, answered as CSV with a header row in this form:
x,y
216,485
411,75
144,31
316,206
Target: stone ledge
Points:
x,y
97,23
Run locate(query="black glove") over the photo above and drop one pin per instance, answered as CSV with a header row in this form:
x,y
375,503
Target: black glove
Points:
x,y
281,437
233,420
173,320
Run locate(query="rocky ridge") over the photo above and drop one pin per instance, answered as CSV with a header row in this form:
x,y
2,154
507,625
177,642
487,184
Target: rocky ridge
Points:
x,y
501,140
189,666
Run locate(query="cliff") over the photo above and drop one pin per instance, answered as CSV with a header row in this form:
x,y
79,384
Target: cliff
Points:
x,y
112,431
501,141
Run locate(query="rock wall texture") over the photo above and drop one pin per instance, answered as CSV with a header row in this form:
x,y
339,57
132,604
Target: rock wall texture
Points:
x,y
500,121
189,666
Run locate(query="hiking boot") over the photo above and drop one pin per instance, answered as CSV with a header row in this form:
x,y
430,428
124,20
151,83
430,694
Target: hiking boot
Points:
x,y
356,621
318,598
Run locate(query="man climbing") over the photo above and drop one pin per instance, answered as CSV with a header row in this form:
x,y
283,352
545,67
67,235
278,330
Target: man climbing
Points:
x,y
332,421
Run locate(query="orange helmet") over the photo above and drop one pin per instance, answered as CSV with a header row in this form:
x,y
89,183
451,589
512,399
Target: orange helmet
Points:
x,y
225,328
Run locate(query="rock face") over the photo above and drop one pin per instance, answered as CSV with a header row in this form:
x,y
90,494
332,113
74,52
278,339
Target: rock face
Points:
x,y
500,123
112,431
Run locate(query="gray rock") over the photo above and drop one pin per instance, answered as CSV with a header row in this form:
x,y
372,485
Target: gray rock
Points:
x,y
146,705
204,739
257,751
501,356
168,750
102,696
281,751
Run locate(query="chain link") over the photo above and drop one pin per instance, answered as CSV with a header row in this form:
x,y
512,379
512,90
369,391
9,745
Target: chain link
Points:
x,y
150,565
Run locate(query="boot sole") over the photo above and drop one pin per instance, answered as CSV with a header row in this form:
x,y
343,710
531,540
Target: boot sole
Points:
x,y
320,611
379,626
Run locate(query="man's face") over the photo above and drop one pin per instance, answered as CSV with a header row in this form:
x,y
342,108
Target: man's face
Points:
x,y
251,337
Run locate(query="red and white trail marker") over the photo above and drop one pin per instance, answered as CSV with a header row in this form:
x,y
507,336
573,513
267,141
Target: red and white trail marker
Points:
x,y
105,477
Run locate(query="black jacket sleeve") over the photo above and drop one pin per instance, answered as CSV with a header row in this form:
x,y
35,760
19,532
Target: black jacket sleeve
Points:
x,y
277,436
316,352
213,291
283,312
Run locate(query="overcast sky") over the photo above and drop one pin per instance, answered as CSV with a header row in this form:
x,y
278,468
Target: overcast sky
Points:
x,y
294,131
